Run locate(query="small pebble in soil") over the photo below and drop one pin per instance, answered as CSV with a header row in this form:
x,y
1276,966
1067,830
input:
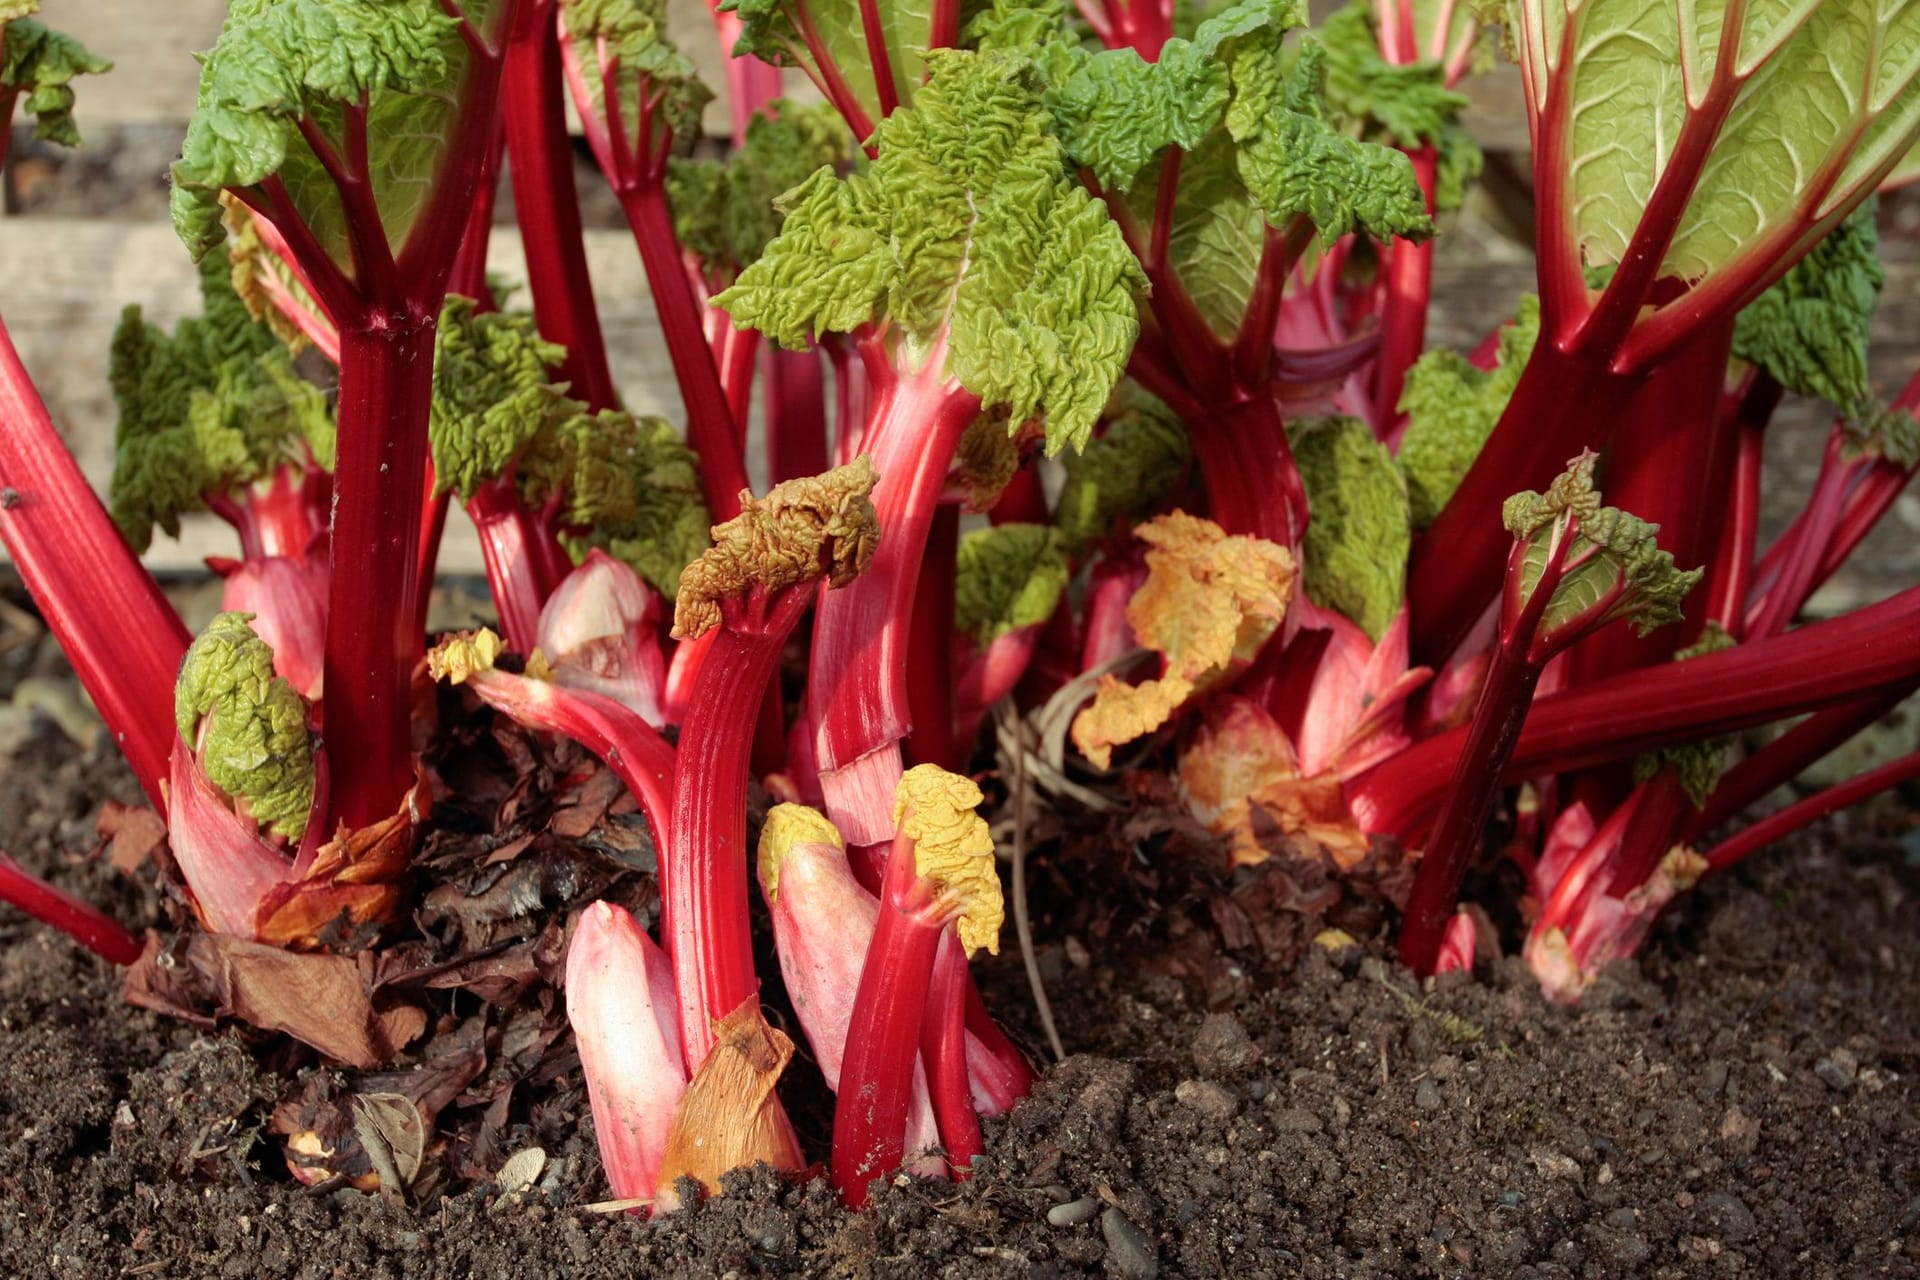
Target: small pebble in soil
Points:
x,y
1296,1120
1728,1214
1215,1102
1837,1070
1426,1096
1221,1046
1131,1252
1073,1213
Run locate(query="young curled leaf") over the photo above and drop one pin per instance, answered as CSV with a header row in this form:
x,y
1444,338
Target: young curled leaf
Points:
x,y
1607,561
461,656
953,848
246,726
816,527
1809,331
1451,409
491,395
787,827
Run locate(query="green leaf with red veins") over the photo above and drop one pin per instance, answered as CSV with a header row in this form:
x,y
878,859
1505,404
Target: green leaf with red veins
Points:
x,y
632,34
246,726
1821,91
1614,568
278,62
40,64
971,239
771,29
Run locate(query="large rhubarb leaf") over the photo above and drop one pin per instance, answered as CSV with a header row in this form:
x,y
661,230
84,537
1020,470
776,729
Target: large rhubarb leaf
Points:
x,y
621,49
779,30
971,239
279,63
1815,103
724,210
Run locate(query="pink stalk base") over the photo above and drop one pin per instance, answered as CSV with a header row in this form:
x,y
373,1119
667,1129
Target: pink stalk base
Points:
x,y
620,1003
883,1035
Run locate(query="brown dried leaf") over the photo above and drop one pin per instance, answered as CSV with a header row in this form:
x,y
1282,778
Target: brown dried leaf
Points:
x,y
730,1116
132,834
319,1000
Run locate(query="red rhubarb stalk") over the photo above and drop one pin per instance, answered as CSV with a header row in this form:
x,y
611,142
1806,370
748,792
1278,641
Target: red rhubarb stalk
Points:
x,y
750,589
106,612
87,925
940,874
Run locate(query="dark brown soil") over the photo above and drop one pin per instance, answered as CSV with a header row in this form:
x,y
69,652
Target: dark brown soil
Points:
x,y
1740,1101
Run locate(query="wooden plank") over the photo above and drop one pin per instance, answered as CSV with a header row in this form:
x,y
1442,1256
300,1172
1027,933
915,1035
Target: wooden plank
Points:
x,y
61,309
155,76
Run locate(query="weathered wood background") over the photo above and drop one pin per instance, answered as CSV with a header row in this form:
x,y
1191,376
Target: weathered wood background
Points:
x,y
85,234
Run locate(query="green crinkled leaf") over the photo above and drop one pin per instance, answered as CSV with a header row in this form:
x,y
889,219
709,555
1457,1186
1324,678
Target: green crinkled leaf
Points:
x,y
627,485
724,210
1355,553
247,726
1007,577
633,34
277,61
1614,565
1406,104
1116,112
1889,434
491,394
1125,471
209,409
1460,161
967,234
39,64
1296,164
1217,233
1810,76
1810,329
770,30
1451,409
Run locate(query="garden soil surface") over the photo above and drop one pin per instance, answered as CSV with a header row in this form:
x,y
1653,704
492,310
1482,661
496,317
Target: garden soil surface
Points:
x,y
1741,1100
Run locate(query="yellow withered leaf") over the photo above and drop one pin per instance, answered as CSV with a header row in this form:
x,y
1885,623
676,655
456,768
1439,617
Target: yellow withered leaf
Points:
x,y
952,847
1210,599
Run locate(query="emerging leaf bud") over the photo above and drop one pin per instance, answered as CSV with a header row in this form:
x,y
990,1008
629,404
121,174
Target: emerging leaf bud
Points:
x,y
621,1004
599,632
